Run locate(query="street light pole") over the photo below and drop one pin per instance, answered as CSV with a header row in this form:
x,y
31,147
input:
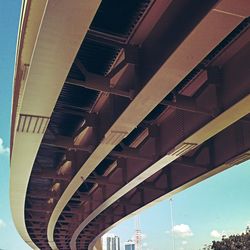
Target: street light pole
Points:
x,y
172,223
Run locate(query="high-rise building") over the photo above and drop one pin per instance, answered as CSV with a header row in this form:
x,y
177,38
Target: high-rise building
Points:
x,y
111,242
129,245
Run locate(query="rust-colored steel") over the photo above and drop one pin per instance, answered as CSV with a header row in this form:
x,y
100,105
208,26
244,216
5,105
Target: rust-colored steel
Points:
x,y
122,53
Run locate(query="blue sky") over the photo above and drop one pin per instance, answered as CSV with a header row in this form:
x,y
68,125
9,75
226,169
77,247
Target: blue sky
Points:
x,y
218,205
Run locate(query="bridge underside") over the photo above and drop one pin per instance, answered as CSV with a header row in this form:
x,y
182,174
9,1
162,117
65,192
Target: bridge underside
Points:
x,y
156,100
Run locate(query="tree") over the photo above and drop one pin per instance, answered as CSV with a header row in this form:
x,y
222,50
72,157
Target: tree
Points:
x,y
233,242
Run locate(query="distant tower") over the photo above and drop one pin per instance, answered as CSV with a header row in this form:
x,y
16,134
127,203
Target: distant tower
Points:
x,y
138,234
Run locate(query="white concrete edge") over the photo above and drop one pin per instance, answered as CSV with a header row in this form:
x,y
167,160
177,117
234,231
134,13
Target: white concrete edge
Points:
x,y
19,195
28,32
72,22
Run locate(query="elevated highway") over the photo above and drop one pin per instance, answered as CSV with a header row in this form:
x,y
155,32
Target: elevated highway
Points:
x,y
119,104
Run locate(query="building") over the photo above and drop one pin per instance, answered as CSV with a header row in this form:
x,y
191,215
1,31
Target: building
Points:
x,y
129,245
111,242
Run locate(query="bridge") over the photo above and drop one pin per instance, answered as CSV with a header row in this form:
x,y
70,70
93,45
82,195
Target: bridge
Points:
x,y
120,104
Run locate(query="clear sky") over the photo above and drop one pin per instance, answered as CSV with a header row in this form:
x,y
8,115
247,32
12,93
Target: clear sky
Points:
x,y
219,205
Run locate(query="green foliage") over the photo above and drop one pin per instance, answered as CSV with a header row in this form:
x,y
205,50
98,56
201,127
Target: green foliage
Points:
x,y
233,242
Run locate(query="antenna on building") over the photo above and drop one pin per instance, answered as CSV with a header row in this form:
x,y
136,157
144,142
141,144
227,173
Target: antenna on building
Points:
x,y
138,234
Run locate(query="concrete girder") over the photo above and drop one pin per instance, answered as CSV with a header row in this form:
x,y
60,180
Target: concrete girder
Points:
x,y
48,24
